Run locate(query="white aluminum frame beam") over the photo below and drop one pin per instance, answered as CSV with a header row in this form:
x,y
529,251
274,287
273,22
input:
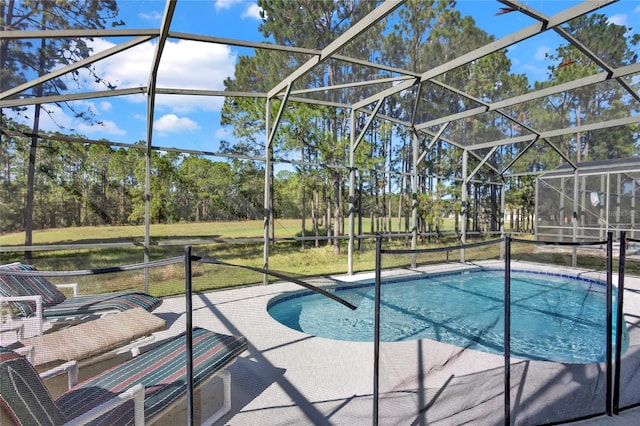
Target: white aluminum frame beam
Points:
x,y
290,49
78,33
358,28
71,97
76,65
559,132
616,74
151,100
530,31
573,41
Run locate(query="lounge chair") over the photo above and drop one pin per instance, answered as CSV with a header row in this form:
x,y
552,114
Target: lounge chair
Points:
x,y
93,341
155,380
32,296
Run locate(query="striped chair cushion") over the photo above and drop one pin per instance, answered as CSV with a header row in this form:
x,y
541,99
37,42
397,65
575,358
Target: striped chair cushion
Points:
x,y
20,309
28,285
162,371
23,396
96,303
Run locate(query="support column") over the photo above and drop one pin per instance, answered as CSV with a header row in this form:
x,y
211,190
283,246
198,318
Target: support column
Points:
x,y
618,212
147,195
503,203
634,188
270,131
267,191
601,211
536,211
352,193
353,145
562,208
463,198
414,200
576,190
607,203
151,99
583,203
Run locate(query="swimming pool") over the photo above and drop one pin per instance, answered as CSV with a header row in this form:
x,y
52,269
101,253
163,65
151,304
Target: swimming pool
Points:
x,y
554,317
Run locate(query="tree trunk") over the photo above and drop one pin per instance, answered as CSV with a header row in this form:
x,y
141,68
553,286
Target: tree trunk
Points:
x,y
383,205
272,225
327,217
389,220
578,136
407,200
315,202
400,201
360,187
336,211
31,173
511,220
372,208
341,198
303,200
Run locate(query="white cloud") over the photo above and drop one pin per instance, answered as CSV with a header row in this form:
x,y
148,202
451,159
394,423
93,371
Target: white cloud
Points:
x,y
226,4
187,64
535,72
106,126
619,19
184,65
223,133
53,119
153,16
252,11
125,69
542,52
171,123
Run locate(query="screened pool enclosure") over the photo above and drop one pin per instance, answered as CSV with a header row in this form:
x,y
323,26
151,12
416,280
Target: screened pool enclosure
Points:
x,y
435,142
586,203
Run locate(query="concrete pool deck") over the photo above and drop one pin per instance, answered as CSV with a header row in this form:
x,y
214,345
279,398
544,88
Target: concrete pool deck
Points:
x,y
287,377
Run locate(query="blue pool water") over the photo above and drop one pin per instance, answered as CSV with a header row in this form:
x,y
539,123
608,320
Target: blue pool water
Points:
x,y
553,317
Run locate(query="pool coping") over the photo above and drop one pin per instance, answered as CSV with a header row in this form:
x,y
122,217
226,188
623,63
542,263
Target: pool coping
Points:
x,y
338,286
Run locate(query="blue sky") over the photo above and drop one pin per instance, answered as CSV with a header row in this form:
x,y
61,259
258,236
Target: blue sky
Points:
x,y
193,122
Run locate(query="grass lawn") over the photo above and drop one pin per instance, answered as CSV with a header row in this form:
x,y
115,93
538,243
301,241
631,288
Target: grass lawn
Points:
x,y
225,241
86,234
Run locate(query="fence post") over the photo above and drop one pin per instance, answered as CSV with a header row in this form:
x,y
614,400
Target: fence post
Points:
x,y
609,332
189,333
376,332
619,321
507,330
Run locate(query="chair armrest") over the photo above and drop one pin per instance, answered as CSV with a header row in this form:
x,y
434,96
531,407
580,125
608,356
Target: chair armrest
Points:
x,y
73,286
135,392
35,298
26,351
70,367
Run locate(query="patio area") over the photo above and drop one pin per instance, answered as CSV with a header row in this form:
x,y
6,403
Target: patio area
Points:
x,y
287,377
